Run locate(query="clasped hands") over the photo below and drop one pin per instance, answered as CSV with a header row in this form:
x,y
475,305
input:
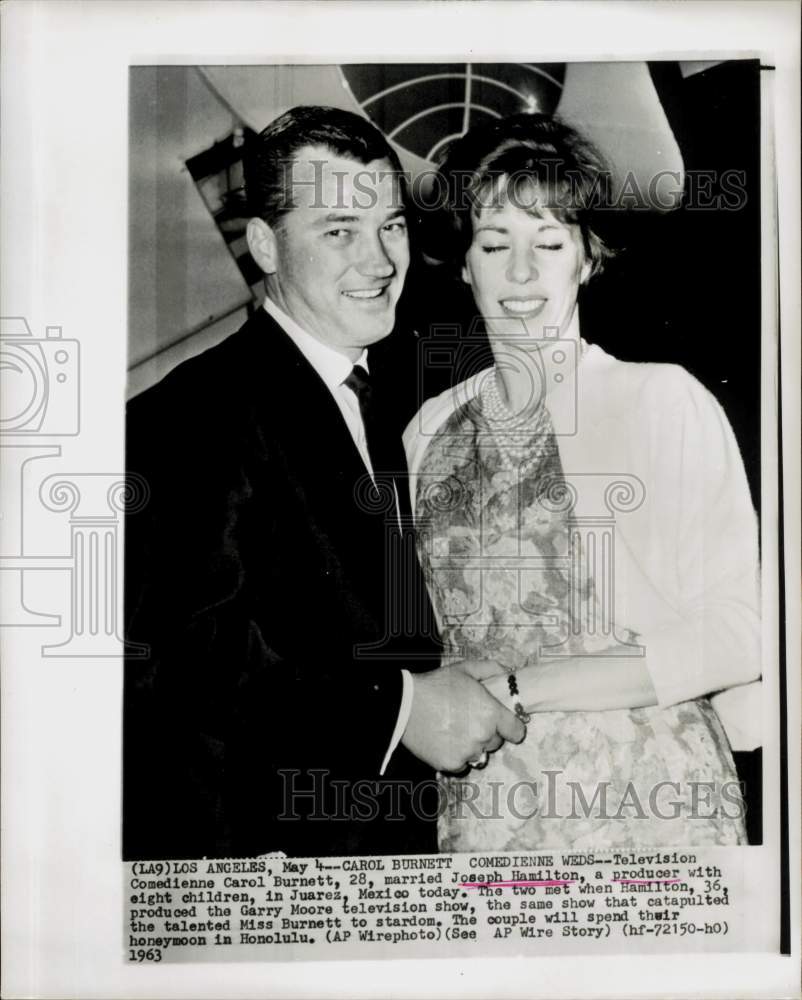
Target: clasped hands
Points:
x,y
455,722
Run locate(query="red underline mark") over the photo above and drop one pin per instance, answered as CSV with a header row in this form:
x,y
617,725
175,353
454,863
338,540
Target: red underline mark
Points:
x,y
566,881
493,885
643,881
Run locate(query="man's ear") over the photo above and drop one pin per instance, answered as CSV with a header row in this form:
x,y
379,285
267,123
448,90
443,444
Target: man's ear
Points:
x,y
263,245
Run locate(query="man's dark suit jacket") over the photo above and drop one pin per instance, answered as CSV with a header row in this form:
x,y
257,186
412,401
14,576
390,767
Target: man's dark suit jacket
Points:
x,y
253,575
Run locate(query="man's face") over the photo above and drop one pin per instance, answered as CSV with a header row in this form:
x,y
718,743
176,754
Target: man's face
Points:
x,y
339,257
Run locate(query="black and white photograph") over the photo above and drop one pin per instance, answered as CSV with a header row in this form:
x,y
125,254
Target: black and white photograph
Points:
x,y
409,543
585,619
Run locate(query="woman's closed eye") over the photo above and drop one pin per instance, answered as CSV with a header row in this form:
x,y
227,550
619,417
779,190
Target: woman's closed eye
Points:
x,y
537,246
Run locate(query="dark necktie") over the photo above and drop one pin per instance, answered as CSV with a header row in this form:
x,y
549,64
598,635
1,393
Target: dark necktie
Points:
x,y
384,444
409,622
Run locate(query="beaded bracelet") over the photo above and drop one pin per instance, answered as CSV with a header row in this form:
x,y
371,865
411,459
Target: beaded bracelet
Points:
x,y
518,708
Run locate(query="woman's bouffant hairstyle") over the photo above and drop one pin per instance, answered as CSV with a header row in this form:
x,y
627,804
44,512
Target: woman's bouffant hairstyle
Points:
x,y
534,160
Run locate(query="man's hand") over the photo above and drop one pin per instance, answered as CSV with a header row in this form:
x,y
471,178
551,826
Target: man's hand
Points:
x,y
453,718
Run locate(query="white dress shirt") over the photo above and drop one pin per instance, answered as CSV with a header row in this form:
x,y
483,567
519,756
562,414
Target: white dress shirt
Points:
x,y
334,368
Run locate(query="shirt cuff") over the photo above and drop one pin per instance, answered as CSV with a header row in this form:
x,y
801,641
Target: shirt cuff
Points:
x,y
403,717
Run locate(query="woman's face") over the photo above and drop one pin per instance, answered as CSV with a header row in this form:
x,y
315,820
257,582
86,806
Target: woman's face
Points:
x,y
525,269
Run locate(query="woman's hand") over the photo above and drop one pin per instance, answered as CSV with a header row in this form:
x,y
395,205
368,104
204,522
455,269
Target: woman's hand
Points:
x,y
499,686
480,670
577,684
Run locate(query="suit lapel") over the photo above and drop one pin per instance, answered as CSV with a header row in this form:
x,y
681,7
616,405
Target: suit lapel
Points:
x,y
294,403
300,419
319,469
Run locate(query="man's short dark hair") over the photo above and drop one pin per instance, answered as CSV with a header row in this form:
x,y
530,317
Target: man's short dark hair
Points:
x,y
270,158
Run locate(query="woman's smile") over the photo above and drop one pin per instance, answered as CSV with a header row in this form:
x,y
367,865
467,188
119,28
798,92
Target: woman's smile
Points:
x,y
527,308
525,267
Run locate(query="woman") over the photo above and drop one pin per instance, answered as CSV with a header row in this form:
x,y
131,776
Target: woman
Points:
x,y
585,524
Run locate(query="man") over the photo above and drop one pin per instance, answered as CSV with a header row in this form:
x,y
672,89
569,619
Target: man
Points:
x,y
277,708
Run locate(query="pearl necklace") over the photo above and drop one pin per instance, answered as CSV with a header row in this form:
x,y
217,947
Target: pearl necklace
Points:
x,y
521,440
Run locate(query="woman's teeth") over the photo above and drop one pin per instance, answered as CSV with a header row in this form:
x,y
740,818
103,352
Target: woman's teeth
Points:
x,y
522,307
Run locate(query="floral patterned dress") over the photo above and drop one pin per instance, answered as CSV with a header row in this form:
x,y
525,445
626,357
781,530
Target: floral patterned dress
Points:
x,y
495,547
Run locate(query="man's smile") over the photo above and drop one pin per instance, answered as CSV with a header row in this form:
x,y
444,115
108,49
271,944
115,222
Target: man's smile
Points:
x,y
365,294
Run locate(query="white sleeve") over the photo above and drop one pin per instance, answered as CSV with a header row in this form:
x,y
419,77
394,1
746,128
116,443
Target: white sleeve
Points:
x,y
714,641
404,709
740,710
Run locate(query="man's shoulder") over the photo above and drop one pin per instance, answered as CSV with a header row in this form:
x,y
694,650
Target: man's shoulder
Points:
x,y
203,412
208,379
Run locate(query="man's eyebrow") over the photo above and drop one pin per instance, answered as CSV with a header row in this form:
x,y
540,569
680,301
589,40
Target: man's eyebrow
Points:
x,y
336,217
343,217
